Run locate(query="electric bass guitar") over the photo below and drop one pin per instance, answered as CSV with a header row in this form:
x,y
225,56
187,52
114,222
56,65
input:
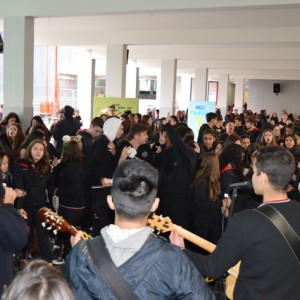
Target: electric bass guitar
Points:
x,y
57,223
162,224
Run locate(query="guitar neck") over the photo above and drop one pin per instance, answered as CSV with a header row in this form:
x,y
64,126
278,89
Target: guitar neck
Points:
x,y
72,230
195,239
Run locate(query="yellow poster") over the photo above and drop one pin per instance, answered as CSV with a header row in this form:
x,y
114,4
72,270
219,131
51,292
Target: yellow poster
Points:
x,y
101,104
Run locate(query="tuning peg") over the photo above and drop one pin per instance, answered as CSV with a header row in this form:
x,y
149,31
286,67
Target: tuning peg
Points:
x,y
44,224
55,231
49,228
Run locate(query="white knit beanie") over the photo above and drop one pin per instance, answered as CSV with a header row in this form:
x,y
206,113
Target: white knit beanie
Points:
x,y
111,127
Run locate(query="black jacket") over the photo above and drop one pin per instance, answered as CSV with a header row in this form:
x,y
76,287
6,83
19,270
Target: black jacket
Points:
x,y
36,187
67,126
13,237
102,163
269,269
69,178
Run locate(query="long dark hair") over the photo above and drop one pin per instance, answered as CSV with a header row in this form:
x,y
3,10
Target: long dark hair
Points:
x,y
33,135
9,116
233,155
71,152
42,167
210,172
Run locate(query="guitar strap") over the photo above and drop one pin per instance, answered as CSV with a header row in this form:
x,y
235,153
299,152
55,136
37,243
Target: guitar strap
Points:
x,y
283,226
108,270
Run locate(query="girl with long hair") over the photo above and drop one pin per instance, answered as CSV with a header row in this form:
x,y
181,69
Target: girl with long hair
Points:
x,y
268,138
32,183
33,135
290,142
4,143
206,197
4,165
9,119
16,137
69,180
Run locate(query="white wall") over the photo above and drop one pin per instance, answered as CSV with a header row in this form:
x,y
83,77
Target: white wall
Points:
x,y
261,96
231,93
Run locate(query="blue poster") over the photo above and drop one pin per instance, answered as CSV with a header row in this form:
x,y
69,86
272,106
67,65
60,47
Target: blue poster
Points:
x,y
197,114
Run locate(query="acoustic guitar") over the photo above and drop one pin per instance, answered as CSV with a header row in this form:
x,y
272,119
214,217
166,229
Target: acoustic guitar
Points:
x,y
162,224
57,223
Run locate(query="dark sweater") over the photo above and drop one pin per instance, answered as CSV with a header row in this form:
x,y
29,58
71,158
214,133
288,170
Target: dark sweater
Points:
x,y
13,237
67,126
69,178
35,186
102,163
269,269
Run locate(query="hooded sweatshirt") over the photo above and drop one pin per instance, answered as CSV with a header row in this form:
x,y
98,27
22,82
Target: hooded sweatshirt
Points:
x,y
122,244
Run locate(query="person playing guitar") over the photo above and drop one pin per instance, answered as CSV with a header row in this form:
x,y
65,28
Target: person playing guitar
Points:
x,y
270,267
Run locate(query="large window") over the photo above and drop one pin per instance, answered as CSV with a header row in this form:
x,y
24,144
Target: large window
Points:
x,y
67,90
147,87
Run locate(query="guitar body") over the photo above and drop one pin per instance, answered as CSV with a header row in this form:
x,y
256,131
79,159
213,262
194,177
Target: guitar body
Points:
x,y
231,280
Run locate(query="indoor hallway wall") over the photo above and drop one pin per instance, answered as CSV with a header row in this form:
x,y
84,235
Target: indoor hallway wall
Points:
x,y
261,96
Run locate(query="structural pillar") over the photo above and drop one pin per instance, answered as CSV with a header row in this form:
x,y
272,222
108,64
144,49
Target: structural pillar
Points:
x,y
116,58
185,92
132,80
168,87
18,67
239,94
86,87
201,77
223,93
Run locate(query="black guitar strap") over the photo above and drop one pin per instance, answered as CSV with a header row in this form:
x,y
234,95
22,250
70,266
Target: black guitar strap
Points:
x,y
283,226
108,270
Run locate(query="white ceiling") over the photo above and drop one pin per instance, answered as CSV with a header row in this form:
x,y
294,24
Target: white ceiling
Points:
x,y
255,39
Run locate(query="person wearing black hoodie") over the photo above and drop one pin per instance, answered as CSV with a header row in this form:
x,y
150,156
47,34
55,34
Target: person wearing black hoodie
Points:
x,y
102,165
66,126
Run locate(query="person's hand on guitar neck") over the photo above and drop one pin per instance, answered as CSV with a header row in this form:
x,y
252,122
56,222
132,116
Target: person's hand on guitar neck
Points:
x,y
78,236
226,203
176,239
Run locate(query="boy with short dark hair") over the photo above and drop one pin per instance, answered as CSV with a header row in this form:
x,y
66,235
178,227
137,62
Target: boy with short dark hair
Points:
x,y
152,268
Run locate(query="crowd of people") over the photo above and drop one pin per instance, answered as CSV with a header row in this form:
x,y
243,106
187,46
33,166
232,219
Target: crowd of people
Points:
x,y
154,155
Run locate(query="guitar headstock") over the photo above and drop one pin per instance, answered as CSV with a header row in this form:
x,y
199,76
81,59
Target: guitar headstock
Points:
x,y
160,223
56,222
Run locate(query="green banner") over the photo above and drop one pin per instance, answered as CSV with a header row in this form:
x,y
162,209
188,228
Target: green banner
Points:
x,y
102,103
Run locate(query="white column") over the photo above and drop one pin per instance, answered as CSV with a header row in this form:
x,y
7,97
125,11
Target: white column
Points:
x,y
18,67
167,86
223,93
201,77
185,92
132,80
86,86
116,57
239,94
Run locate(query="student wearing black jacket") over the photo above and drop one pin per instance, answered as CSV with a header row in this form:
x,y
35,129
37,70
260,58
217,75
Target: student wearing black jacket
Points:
x,y
102,164
69,180
206,199
13,234
67,126
32,179
269,269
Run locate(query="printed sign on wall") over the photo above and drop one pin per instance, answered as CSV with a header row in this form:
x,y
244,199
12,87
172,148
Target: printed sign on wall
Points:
x,y
101,104
197,114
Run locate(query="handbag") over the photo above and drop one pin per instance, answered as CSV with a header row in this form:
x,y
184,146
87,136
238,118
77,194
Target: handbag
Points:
x,y
283,226
108,270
